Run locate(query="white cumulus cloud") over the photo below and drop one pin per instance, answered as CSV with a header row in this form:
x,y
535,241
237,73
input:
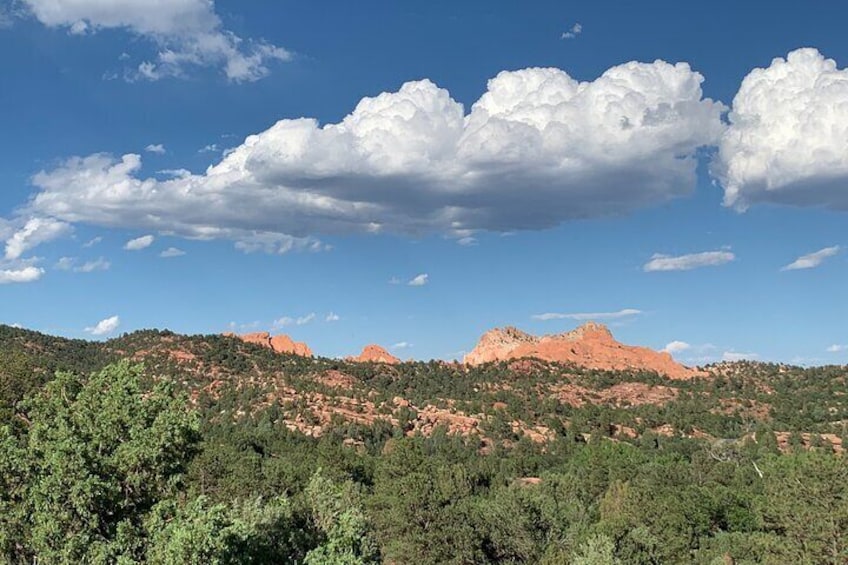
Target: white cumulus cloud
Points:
x,y
105,327
788,137
419,280
186,33
332,317
661,262
837,348
625,313
139,243
20,275
33,233
155,148
676,347
537,149
812,260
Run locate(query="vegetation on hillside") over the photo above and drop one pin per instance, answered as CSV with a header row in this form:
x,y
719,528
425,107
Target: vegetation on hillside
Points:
x,y
160,448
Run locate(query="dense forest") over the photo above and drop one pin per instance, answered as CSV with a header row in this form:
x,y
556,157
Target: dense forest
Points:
x,y
160,448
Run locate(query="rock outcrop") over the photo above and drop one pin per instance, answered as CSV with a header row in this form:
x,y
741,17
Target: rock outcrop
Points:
x,y
279,343
591,345
375,354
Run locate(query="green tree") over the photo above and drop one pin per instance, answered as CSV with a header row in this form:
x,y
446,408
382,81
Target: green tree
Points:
x,y
338,513
201,533
96,456
806,501
597,550
17,378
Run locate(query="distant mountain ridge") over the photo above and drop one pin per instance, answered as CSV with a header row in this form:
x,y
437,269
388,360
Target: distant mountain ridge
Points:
x,y
590,345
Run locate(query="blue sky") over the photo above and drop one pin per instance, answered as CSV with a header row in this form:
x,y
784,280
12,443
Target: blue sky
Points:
x,y
608,184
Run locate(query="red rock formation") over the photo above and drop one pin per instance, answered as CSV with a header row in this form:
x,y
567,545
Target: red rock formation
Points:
x,y
375,354
284,344
591,345
279,343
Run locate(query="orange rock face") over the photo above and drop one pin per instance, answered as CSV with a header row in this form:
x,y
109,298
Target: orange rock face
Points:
x,y
284,344
279,343
375,354
591,345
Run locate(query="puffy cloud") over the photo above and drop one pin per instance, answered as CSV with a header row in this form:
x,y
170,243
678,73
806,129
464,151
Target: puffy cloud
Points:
x,y
788,137
811,260
105,327
172,252
139,243
837,348
155,148
676,347
20,275
419,280
332,317
188,33
33,233
625,313
93,241
660,262
573,32
288,321
537,149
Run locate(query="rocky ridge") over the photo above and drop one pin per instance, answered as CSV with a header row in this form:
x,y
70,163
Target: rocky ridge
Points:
x,y
279,343
591,345
375,354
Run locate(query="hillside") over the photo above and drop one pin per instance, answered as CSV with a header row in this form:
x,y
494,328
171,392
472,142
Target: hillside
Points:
x,y
267,457
500,399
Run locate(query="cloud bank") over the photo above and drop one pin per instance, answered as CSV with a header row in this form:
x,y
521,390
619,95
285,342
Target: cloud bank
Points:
x,y
537,149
